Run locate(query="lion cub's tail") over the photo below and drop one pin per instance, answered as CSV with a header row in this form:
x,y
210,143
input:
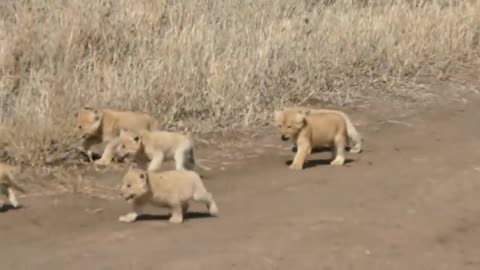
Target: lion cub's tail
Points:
x,y
195,162
192,160
353,135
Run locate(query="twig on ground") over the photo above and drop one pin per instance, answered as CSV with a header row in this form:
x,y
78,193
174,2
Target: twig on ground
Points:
x,y
399,123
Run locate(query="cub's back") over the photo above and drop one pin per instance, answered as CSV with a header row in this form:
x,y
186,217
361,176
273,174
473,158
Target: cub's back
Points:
x,y
325,126
166,140
178,183
130,120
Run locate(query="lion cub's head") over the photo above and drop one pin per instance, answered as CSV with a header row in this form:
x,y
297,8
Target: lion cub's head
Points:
x,y
89,122
290,122
134,184
130,143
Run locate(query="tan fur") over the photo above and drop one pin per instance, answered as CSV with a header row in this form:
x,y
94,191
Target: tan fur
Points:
x,y
157,146
172,189
313,130
355,139
8,185
97,126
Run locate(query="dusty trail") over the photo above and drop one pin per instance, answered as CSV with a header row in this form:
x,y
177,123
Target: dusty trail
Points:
x,y
410,201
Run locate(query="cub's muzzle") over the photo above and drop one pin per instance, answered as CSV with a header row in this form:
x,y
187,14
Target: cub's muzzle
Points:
x,y
285,138
122,155
129,197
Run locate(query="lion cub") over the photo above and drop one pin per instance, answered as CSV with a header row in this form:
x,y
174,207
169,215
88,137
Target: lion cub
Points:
x,y
173,189
97,126
7,184
157,146
355,139
309,130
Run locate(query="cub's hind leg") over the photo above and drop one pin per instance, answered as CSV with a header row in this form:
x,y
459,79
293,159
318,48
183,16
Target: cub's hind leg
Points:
x,y
338,151
184,158
203,196
180,159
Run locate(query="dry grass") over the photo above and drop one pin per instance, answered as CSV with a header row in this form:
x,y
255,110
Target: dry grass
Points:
x,y
210,64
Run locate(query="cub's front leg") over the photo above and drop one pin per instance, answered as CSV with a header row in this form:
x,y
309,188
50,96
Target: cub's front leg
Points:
x,y
109,152
156,162
177,214
303,151
12,198
132,216
3,196
85,145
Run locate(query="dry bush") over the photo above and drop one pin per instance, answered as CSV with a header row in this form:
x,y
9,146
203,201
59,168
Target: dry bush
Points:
x,y
213,64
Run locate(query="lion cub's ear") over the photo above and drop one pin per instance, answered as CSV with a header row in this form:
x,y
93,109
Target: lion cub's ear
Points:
x,y
277,115
97,114
304,112
300,117
143,178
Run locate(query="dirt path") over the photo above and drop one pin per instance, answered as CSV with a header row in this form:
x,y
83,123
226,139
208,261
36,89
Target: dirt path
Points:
x,y
410,201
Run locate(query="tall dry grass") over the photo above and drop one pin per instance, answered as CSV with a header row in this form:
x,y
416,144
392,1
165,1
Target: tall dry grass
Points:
x,y
213,64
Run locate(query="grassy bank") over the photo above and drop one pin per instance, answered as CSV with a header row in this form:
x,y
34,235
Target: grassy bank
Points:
x,y
210,64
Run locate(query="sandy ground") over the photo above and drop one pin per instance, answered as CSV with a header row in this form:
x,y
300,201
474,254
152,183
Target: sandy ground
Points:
x,y
411,200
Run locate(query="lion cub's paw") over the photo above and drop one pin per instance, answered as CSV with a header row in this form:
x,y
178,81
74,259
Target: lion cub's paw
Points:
x,y
128,218
15,205
338,162
296,167
213,209
176,219
355,150
89,154
9,204
102,162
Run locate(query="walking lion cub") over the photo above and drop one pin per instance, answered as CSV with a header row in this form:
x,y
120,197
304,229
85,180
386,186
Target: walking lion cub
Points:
x,y
98,126
172,189
8,185
156,146
355,139
309,130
